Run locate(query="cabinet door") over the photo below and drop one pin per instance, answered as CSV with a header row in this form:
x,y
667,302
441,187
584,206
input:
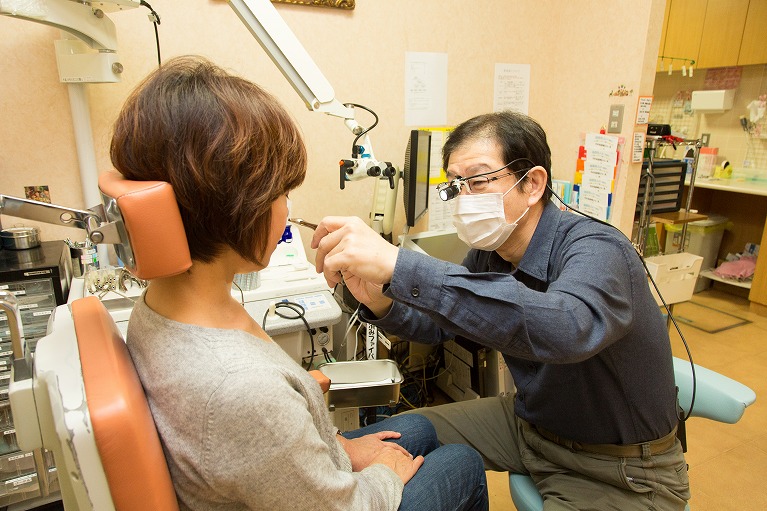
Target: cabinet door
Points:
x,y
753,48
663,38
685,29
722,33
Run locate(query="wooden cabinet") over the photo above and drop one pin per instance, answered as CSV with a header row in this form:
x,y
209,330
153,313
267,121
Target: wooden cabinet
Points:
x,y
715,33
753,48
663,35
722,33
684,29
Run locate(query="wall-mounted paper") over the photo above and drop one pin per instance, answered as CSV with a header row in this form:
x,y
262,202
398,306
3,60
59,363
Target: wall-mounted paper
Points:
x,y
512,87
594,202
643,110
637,148
425,89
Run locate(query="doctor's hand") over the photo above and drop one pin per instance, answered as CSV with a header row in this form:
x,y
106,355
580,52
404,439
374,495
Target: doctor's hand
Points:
x,y
363,450
350,251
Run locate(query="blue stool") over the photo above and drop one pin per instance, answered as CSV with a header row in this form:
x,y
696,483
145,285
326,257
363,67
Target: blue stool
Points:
x,y
717,397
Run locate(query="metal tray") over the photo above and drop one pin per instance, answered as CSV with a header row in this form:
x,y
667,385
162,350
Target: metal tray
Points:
x,y
362,383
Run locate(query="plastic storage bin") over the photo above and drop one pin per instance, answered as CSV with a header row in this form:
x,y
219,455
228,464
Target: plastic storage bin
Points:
x,y
675,275
704,238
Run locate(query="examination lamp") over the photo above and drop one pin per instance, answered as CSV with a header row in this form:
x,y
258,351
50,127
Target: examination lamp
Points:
x,y
450,190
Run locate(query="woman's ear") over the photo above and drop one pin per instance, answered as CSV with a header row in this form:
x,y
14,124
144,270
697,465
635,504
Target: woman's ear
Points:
x,y
537,179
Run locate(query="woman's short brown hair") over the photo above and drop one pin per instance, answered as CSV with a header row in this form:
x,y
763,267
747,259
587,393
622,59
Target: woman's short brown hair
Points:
x,y
228,148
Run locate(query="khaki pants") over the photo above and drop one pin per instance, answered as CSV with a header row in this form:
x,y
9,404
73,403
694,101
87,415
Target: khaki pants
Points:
x,y
567,479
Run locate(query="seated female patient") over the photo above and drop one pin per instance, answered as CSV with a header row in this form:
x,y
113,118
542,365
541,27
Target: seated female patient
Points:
x,y
243,426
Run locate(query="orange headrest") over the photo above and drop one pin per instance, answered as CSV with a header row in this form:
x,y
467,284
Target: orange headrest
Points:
x,y
155,244
125,433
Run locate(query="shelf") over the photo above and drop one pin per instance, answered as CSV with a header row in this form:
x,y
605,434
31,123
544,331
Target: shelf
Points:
x,y
710,275
677,217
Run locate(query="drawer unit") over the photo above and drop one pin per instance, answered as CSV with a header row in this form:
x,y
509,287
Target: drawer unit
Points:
x,y
8,443
17,464
19,488
40,280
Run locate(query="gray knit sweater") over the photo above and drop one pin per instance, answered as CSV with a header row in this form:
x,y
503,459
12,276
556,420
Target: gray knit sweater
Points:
x,y
243,426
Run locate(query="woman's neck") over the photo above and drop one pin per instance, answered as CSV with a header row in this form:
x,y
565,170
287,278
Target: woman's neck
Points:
x,y
201,296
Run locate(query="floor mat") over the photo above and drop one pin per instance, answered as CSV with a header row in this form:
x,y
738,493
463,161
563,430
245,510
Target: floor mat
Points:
x,y
705,318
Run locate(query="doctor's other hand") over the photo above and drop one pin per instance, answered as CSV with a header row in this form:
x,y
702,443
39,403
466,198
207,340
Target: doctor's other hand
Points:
x,y
349,250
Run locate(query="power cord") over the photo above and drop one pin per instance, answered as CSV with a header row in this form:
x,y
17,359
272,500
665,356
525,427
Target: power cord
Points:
x,y
300,313
242,294
655,285
363,132
155,19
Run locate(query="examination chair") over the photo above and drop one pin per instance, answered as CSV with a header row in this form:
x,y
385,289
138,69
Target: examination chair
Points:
x,y
81,397
717,397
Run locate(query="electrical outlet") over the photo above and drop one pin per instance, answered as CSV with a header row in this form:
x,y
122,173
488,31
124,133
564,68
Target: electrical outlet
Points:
x,y
705,138
615,124
346,419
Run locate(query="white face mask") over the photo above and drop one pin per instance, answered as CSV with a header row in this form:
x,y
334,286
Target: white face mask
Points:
x,y
480,219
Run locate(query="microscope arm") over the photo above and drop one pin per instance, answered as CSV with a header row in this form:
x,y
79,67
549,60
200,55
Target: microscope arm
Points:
x,y
92,221
86,22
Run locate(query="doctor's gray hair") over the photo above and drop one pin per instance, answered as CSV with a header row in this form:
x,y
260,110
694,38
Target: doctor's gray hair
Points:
x,y
519,136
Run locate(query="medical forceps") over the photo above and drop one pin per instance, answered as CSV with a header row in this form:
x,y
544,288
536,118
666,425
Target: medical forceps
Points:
x,y
301,221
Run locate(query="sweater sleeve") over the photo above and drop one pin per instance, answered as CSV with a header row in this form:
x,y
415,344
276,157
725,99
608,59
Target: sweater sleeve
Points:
x,y
267,451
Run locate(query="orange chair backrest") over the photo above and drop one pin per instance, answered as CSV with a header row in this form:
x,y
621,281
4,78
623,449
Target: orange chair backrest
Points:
x,y
125,433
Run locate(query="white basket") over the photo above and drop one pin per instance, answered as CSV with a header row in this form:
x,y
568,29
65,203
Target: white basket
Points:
x,y
675,275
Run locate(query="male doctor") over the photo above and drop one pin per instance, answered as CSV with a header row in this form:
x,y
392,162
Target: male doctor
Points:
x,y
564,298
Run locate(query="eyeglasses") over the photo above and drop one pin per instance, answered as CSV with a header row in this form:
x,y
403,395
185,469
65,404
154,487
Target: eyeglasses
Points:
x,y
475,184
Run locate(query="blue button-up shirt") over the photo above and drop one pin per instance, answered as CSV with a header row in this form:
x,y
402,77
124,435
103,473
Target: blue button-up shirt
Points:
x,y
576,323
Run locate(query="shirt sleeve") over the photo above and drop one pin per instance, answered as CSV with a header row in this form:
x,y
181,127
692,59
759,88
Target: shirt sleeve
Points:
x,y
267,451
586,306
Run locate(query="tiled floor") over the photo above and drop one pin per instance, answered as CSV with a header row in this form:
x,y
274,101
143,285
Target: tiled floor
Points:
x,y
728,462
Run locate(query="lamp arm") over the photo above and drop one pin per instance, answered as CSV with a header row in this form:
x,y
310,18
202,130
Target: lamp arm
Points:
x,y
298,67
291,58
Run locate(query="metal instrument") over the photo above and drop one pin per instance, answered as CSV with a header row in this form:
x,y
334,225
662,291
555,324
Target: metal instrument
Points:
x,y
301,221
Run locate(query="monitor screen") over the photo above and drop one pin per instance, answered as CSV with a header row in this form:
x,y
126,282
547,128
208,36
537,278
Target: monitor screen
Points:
x,y
416,176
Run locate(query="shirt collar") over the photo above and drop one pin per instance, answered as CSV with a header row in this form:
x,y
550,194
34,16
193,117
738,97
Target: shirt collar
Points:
x,y
535,261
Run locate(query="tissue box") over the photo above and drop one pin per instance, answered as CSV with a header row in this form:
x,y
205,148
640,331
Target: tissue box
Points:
x,y
675,276
707,161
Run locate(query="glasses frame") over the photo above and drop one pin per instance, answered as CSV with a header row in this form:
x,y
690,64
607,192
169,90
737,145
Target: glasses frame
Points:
x,y
458,182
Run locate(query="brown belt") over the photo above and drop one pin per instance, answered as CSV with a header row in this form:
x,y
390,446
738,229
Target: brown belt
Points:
x,y
643,450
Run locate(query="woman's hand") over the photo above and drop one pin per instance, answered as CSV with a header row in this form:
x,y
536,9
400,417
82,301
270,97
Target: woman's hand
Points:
x,y
362,451
404,466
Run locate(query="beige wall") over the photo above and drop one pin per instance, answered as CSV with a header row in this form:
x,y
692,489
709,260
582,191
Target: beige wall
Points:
x,y
578,51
